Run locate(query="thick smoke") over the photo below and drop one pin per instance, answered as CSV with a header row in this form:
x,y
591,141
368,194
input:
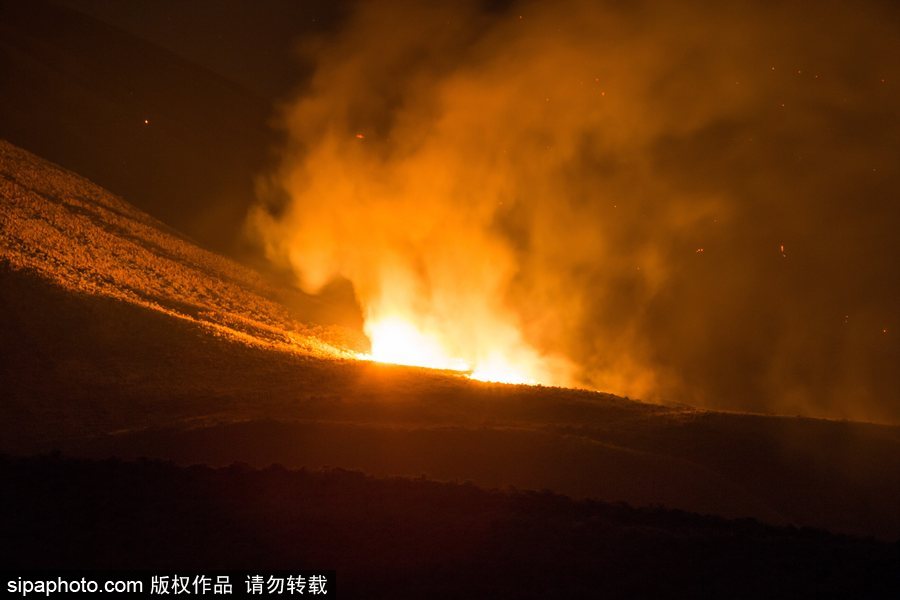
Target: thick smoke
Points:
x,y
688,202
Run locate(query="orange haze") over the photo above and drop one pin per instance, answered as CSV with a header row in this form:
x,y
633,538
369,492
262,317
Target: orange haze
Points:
x,y
600,194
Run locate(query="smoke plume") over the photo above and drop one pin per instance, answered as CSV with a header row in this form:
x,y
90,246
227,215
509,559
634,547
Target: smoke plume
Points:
x,y
683,201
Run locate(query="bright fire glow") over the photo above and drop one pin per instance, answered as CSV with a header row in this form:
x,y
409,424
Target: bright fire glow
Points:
x,y
497,368
398,341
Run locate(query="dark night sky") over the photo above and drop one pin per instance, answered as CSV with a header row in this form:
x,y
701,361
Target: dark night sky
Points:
x,y
722,231
250,43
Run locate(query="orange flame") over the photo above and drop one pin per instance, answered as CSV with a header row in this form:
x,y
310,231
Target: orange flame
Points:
x,y
398,341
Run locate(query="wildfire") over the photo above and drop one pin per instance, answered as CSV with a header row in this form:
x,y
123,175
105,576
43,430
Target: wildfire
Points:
x,y
395,340
499,369
398,341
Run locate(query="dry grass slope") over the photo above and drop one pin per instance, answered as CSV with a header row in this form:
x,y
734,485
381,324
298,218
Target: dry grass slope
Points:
x,y
87,240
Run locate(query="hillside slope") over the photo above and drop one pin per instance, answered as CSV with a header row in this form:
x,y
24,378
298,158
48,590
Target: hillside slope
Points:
x,y
86,240
119,337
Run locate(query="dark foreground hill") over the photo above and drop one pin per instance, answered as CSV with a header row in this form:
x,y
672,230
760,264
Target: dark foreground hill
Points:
x,y
120,338
403,538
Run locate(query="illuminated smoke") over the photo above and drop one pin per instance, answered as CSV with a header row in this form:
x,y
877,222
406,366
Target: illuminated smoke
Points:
x,y
601,195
